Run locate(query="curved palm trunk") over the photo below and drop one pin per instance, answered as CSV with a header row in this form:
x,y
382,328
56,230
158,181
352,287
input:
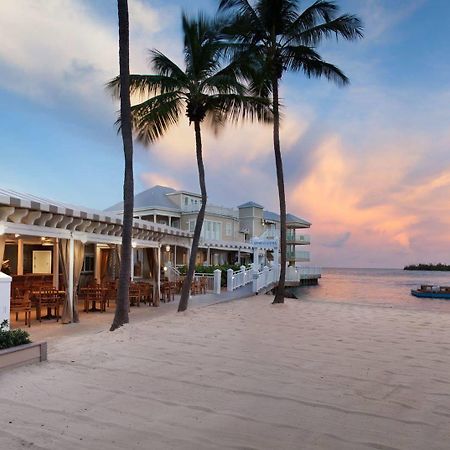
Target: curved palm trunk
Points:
x,y
279,297
185,290
122,302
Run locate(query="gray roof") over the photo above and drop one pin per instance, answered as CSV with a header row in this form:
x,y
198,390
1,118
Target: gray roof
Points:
x,y
290,218
269,215
250,205
154,197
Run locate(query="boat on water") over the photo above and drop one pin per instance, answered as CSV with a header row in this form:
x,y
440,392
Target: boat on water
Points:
x,y
429,291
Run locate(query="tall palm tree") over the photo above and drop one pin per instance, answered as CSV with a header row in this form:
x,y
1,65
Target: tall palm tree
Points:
x,y
280,37
122,304
204,90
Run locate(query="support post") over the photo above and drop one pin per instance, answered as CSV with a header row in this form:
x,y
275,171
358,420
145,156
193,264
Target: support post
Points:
x,y
97,269
20,257
208,256
71,269
175,256
229,279
132,264
56,263
159,273
239,255
217,281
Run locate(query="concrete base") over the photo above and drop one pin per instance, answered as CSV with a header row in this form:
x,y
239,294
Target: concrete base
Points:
x,y
23,354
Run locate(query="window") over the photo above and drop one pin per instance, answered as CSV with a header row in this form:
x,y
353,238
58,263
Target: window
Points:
x,y
228,229
212,230
88,263
186,201
191,225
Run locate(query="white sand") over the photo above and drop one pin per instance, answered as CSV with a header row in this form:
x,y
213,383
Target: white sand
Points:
x,y
240,375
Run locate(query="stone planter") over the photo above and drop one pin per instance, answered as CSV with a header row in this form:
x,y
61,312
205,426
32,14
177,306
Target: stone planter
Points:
x,y
23,354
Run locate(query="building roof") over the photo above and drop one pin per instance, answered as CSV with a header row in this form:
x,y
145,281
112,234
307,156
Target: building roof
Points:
x,y
250,205
155,197
26,209
290,218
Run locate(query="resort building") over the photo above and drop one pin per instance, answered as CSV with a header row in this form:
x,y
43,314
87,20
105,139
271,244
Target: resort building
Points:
x,y
229,234
59,253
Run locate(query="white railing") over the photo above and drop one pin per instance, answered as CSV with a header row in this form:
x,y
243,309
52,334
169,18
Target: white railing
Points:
x,y
239,278
212,209
298,239
296,274
265,277
208,277
299,255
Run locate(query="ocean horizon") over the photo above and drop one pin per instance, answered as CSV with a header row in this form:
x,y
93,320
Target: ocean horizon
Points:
x,y
382,287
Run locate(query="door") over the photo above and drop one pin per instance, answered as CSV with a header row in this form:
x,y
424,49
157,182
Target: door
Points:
x,y
42,261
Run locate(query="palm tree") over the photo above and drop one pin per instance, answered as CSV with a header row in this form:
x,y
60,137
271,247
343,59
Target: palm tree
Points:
x,y
122,304
204,90
279,37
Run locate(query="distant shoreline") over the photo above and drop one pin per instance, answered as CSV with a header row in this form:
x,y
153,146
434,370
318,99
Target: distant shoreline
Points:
x,y
431,267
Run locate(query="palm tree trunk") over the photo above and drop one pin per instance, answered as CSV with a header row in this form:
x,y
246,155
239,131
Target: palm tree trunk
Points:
x,y
185,290
279,296
122,302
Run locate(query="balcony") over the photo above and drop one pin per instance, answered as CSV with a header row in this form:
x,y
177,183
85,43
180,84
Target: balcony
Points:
x,y
298,239
211,209
298,256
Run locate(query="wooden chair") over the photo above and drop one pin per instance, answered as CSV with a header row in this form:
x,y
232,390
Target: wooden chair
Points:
x,y
50,299
167,292
94,295
134,295
146,292
22,303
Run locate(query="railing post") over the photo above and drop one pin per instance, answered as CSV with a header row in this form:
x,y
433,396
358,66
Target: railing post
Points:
x,y
255,276
266,275
5,293
229,279
217,281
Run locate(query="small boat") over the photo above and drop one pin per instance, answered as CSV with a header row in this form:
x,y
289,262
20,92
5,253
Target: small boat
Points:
x,y
429,291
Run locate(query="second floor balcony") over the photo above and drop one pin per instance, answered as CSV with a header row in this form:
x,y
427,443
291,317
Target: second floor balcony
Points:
x,y
298,255
298,239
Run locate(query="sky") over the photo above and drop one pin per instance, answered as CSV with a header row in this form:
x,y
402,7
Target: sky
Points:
x,y
368,164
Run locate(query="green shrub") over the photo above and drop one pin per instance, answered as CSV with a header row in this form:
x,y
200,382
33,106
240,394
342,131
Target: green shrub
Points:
x,y
12,338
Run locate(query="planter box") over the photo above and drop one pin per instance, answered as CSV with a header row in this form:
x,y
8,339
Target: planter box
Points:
x,y
23,354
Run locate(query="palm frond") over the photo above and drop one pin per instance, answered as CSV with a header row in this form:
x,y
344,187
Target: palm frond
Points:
x,y
146,85
305,59
166,67
346,26
152,118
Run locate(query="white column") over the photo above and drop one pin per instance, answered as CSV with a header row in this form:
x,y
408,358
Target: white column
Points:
x,y
208,256
71,268
20,257
5,294
159,272
97,269
217,280
132,264
170,221
56,263
229,280
154,218
175,256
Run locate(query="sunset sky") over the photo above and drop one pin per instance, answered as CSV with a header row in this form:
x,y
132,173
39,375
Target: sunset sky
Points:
x,y
368,165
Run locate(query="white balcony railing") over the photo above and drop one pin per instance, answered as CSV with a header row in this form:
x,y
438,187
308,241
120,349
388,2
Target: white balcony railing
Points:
x,y
212,209
298,255
296,274
301,239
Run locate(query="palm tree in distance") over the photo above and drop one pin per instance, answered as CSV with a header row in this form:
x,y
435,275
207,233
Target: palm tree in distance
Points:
x,y
122,304
276,36
205,91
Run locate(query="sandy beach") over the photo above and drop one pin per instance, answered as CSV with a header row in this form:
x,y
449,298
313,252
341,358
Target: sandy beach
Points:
x,y
240,375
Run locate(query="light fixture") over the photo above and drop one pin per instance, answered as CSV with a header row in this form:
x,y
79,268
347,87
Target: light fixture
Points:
x,y
167,248
17,235
2,229
133,244
83,239
43,238
165,269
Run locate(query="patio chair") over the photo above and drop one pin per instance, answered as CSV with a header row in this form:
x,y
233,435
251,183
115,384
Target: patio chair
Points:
x,y
21,303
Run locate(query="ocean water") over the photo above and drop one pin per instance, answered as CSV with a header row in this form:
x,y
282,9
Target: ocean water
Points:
x,y
384,287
